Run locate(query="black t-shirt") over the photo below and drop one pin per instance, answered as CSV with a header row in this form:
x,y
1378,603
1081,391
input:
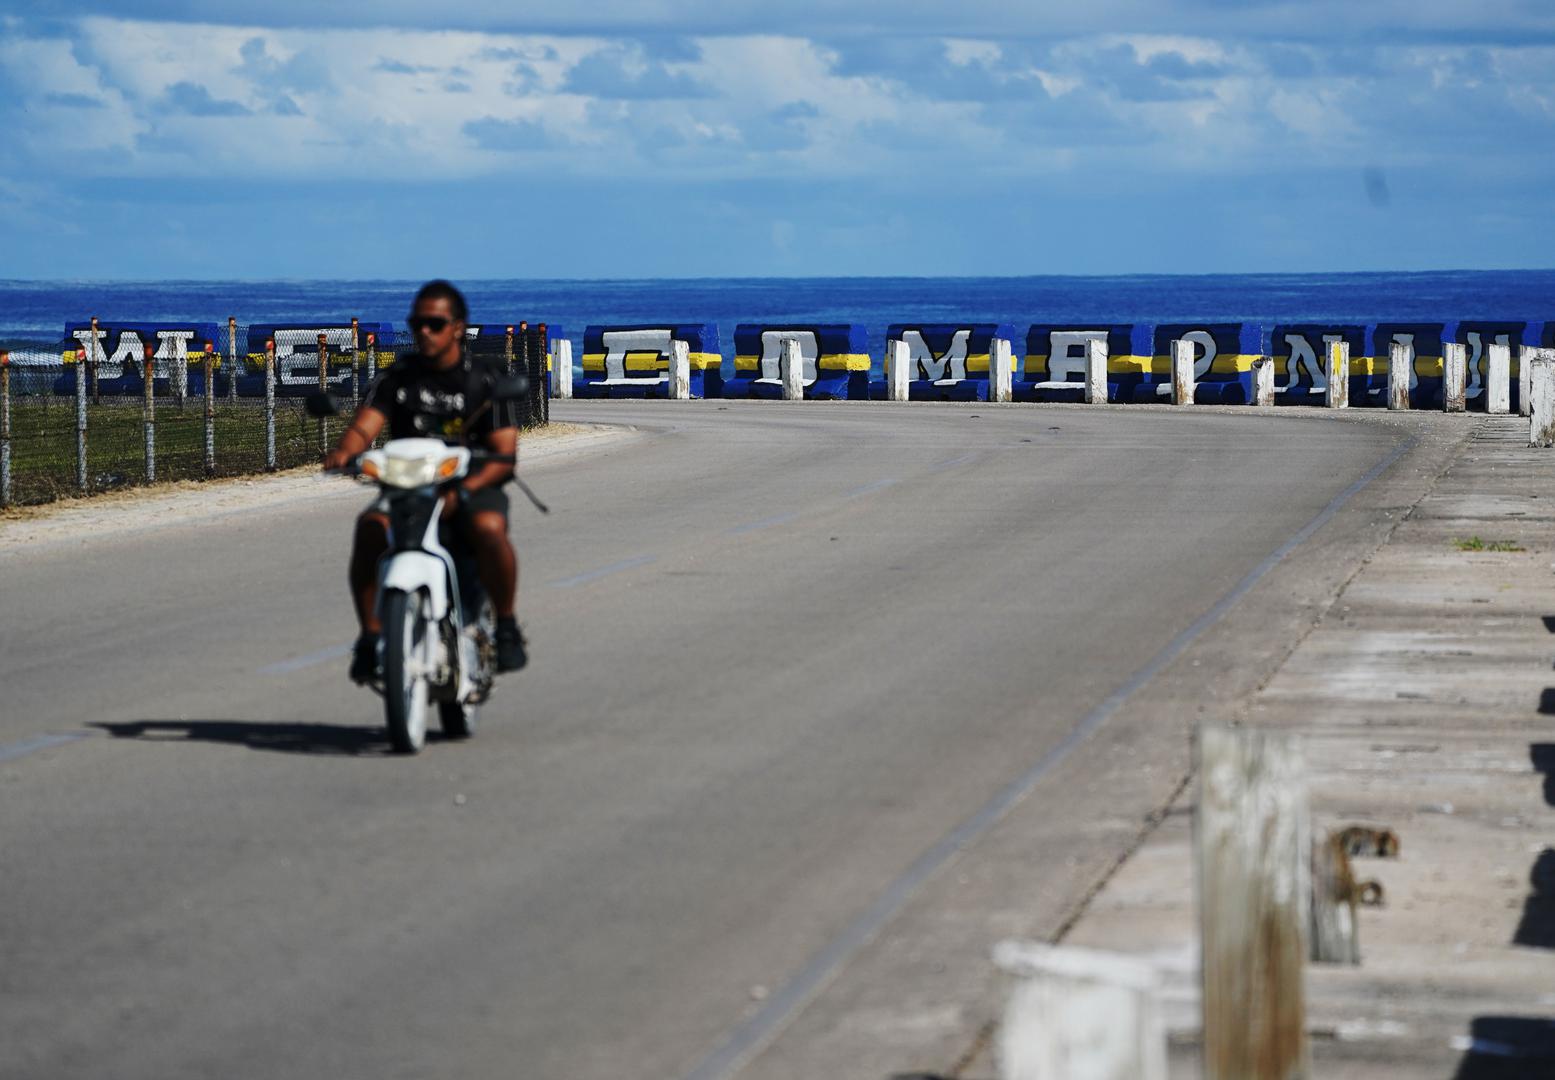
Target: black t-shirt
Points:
x,y
422,401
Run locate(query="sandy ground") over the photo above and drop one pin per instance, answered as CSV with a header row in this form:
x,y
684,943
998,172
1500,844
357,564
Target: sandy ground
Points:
x,y
140,509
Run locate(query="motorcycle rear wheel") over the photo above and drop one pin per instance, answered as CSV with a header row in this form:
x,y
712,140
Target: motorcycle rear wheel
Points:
x,y
459,718
407,646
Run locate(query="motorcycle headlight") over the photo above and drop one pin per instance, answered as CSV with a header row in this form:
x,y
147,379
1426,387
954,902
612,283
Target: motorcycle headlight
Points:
x,y
402,472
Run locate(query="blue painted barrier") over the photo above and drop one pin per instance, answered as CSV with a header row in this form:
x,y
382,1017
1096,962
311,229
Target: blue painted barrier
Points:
x,y
633,361
948,361
297,355
1054,365
1300,354
121,356
836,360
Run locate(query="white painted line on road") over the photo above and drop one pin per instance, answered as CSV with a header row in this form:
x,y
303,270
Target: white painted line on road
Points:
x,y
870,489
603,571
297,663
12,751
764,523
754,1034
953,462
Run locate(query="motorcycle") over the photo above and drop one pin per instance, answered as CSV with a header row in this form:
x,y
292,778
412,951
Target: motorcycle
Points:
x,y
438,645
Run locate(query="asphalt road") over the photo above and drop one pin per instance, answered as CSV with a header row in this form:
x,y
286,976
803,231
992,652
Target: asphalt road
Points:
x,y
778,653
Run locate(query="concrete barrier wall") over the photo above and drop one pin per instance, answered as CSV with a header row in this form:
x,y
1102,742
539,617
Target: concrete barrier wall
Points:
x,y
836,360
1223,355
1054,365
633,361
1300,355
1477,335
119,355
947,361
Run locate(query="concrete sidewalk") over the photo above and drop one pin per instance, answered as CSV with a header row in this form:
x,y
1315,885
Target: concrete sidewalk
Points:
x,y
1425,696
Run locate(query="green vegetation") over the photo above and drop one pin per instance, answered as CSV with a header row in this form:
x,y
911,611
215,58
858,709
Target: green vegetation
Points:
x,y
1474,543
43,442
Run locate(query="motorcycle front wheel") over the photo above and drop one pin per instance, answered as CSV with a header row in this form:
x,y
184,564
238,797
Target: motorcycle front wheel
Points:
x,y
407,648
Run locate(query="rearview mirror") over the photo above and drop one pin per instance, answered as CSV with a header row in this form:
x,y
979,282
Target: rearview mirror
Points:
x,y
511,388
320,404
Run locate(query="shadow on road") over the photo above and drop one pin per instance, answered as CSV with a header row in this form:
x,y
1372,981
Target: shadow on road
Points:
x,y
293,738
1543,755
1509,1048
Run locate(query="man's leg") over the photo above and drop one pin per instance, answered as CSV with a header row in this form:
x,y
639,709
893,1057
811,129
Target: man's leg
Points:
x,y
367,547
495,559
497,562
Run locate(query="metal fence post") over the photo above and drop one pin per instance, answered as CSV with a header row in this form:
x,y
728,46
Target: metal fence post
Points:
x,y
150,414
543,363
1253,854
323,389
507,351
81,362
232,359
372,359
270,405
5,429
97,391
210,409
356,344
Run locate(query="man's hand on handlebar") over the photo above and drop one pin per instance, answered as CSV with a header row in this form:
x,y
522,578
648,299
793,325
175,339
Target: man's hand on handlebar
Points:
x,y
337,459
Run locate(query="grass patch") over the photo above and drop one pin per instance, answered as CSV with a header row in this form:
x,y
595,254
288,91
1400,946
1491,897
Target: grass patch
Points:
x,y
1474,543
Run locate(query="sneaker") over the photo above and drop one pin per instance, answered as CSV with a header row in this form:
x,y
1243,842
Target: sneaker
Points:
x,y
510,646
364,659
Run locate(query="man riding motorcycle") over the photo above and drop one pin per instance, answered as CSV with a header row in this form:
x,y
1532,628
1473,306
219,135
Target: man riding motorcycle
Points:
x,y
442,392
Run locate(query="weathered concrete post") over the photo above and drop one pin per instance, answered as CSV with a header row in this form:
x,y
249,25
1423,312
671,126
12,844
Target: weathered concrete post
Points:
x,y
323,389
1001,372
898,373
1263,381
232,359
270,405
210,408
680,371
1253,853
1498,379
82,360
1455,370
1080,1014
1096,358
1182,372
561,377
5,428
1338,374
1401,364
1525,358
149,412
792,371
1542,396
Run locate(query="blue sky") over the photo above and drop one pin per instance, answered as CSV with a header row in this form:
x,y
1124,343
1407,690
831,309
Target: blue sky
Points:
x,y
704,138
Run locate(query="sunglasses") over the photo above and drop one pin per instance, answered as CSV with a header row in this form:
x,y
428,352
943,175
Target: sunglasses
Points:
x,y
434,324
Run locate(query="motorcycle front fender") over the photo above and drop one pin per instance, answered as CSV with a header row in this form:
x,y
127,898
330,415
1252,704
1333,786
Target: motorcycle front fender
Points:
x,y
410,571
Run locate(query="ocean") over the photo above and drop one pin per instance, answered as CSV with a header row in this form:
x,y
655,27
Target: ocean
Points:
x,y
35,312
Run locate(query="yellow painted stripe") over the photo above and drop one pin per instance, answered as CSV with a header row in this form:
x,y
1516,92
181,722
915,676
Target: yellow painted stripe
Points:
x,y
651,361
1036,364
827,362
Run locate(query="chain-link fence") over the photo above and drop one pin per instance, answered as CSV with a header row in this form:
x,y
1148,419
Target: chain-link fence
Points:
x,y
117,406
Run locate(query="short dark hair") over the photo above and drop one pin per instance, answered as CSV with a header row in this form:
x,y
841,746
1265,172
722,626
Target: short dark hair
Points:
x,y
444,290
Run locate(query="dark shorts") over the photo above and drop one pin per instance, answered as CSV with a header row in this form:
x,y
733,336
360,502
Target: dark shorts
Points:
x,y
492,499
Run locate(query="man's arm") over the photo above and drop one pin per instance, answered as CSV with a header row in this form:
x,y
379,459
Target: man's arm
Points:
x,y
356,438
504,441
